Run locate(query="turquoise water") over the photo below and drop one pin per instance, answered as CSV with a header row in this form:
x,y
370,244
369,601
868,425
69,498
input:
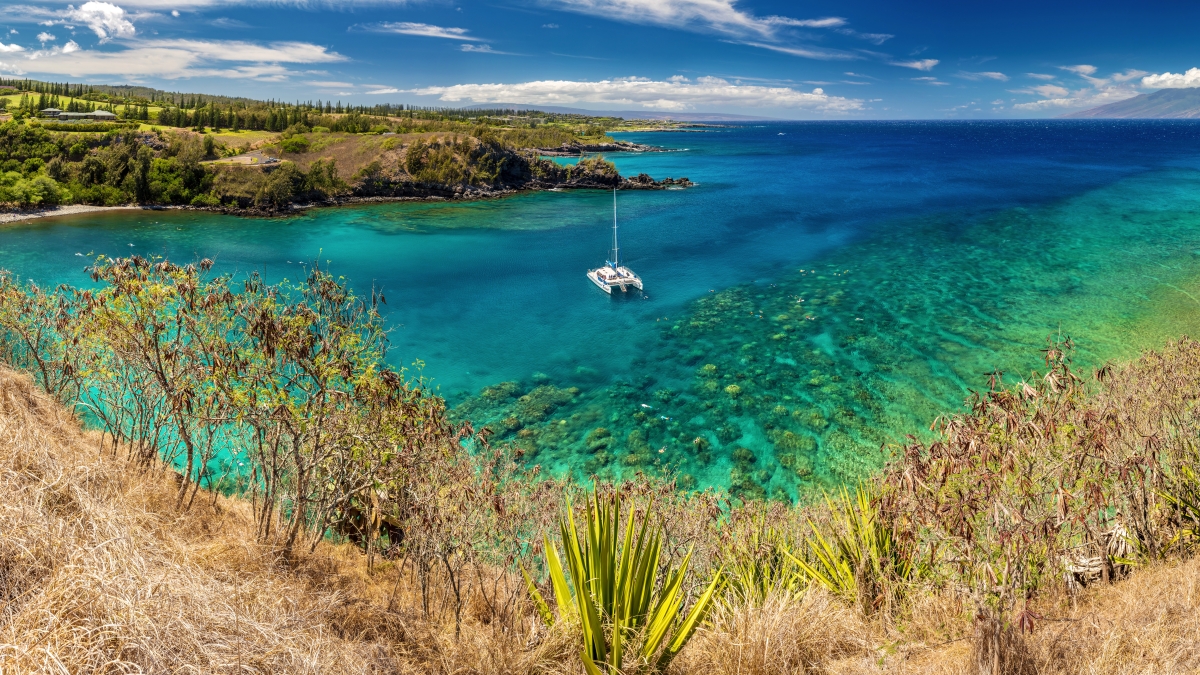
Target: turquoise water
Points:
x,y
826,287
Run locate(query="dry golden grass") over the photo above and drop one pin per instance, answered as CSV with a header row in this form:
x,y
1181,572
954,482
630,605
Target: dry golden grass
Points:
x,y
100,573
783,635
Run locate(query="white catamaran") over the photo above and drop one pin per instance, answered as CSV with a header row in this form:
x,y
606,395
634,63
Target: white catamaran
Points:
x,y
613,274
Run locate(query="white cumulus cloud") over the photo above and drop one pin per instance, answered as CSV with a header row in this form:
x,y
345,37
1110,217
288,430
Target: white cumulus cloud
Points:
x,y
674,94
104,18
46,37
9,49
1185,80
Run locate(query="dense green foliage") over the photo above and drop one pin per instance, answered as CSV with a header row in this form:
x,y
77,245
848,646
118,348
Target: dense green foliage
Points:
x,y
46,163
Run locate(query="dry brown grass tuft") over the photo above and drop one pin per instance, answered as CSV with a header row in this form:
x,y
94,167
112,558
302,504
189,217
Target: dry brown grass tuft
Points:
x,y
782,635
97,574
1149,623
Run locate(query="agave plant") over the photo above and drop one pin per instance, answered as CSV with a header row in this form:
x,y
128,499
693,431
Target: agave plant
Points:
x,y
1182,498
760,563
861,558
630,609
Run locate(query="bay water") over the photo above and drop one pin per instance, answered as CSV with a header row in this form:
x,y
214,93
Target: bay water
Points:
x,y
825,289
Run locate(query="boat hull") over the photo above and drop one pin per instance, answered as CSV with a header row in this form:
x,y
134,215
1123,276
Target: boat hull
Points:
x,y
599,284
606,278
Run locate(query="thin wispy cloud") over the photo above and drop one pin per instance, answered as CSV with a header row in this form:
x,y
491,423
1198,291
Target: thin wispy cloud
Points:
x,y
176,59
724,17
484,49
721,16
817,53
1044,90
418,29
175,5
227,23
873,38
674,94
1098,90
919,64
1083,69
986,75
579,56
828,22
1131,74
930,80
1040,76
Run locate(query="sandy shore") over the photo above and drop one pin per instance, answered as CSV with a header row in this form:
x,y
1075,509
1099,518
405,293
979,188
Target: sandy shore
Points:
x,y
22,216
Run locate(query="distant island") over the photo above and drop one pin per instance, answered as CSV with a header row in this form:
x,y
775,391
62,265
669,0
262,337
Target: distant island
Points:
x,y
96,146
1162,104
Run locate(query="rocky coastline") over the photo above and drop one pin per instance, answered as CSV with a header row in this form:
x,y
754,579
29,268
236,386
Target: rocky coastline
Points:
x,y
381,192
580,149
384,191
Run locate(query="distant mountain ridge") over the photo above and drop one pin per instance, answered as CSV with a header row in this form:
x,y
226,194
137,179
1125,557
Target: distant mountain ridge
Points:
x,y
628,114
1162,104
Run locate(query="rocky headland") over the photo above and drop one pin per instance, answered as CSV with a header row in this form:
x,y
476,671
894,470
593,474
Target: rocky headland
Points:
x,y
577,149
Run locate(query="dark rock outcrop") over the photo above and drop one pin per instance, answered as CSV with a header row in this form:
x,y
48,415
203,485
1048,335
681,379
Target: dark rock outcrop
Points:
x,y
578,149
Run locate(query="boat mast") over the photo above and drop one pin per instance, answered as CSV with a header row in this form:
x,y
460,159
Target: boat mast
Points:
x,y
616,251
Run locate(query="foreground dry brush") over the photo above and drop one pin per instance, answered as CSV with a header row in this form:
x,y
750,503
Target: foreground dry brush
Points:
x,y
1049,528
101,572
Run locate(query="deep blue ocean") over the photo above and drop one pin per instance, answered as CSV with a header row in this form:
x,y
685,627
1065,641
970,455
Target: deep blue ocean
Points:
x,y
824,289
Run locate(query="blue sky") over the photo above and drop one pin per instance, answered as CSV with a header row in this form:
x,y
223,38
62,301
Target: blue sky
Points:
x,y
857,59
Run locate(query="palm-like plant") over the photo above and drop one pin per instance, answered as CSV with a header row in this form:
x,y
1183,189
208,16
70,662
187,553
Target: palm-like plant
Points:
x,y
614,590
761,562
861,559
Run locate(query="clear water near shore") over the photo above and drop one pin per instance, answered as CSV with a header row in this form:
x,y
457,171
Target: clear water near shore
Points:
x,y
826,287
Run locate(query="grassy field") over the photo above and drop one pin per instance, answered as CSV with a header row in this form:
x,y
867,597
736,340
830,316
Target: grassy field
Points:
x,y
63,101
